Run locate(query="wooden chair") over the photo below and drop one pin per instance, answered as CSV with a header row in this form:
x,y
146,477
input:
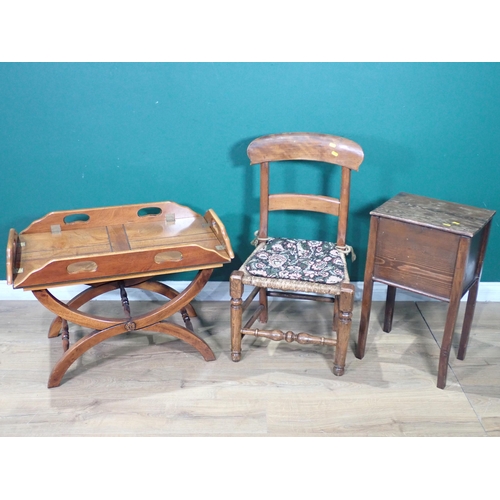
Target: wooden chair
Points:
x,y
282,267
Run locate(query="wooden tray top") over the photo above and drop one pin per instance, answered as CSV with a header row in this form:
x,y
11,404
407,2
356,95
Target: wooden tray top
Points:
x,y
111,243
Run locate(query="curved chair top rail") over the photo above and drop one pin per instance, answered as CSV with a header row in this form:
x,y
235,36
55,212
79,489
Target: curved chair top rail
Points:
x,y
306,146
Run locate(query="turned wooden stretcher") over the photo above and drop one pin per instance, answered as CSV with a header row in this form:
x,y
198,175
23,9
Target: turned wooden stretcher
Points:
x,y
115,248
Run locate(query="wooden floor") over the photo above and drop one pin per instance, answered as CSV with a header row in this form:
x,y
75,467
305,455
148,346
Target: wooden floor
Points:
x,y
153,385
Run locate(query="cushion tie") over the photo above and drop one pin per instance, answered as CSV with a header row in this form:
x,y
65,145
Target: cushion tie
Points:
x,y
346,250
255,242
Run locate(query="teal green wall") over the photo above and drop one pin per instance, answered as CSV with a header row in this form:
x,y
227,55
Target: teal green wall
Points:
x,y
88,135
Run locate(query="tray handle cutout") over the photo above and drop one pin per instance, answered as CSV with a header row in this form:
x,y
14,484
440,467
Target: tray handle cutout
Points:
x,y
148,211
168,256
85,266
75,218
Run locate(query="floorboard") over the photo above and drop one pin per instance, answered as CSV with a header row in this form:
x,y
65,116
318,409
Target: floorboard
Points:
x,y
141,384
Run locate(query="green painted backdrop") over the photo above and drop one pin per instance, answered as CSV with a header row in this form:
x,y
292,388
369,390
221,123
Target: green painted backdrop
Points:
x,y
78,135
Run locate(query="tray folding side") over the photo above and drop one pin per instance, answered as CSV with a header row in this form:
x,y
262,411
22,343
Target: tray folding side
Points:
x,y
112,243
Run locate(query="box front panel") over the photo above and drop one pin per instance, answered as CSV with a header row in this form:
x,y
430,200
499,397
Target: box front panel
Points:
x,y
416,258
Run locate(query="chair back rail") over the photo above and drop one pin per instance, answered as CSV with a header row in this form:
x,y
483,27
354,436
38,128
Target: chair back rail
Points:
x,y
313,203
306,146
324,148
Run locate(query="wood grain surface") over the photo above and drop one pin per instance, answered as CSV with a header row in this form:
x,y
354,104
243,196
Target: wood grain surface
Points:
x,y
438,214
109,243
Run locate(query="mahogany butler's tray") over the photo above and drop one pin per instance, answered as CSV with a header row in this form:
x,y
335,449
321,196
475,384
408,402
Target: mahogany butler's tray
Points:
x,y
115,248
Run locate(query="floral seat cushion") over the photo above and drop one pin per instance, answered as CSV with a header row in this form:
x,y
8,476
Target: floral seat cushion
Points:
x,y
301,260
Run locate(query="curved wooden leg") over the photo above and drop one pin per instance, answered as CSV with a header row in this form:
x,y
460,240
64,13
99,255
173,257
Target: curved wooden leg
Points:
x,y
105,328
69,313
169,292
79,348
185,335
78,301
166,291
346,304
94,338
176,304
95,291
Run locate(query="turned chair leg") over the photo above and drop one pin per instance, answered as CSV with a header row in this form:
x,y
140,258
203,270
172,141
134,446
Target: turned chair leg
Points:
x,y
236,291
336,313
263,316
346,304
